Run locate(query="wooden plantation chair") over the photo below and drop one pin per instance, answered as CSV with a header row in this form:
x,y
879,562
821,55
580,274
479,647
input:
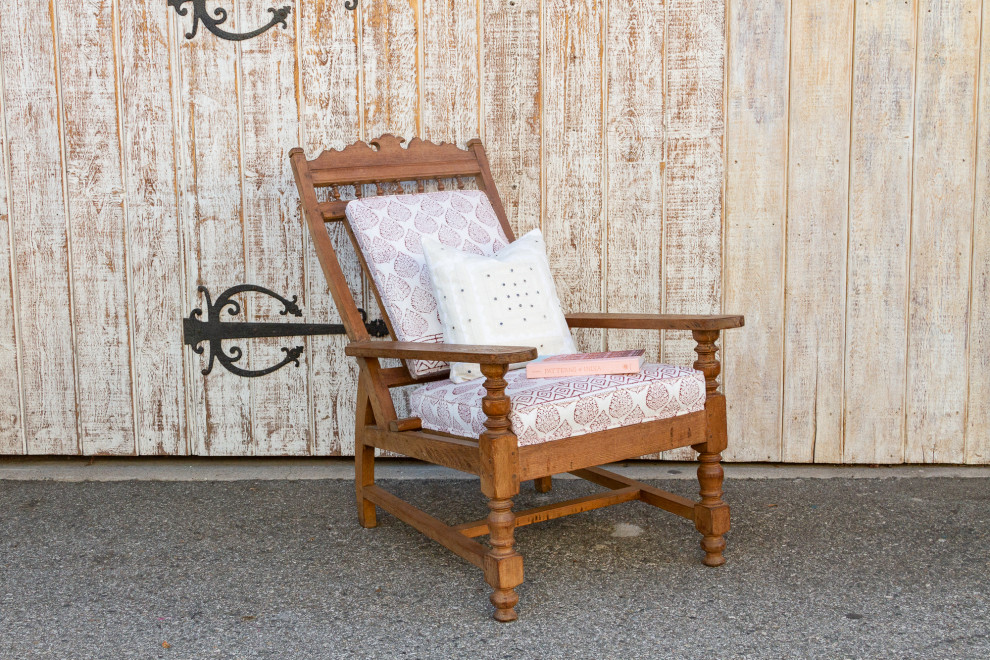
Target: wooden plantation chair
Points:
x,y
495,453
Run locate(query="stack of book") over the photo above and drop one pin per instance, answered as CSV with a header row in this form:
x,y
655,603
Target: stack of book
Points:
x,y
586,364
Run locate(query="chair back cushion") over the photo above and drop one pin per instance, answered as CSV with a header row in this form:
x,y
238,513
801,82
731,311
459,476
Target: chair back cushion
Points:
x,y
389,229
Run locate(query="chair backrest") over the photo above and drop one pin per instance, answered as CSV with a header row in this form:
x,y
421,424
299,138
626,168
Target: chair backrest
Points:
x,y
378,169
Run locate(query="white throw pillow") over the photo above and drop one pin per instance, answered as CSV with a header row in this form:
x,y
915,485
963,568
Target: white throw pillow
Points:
x,y
506,300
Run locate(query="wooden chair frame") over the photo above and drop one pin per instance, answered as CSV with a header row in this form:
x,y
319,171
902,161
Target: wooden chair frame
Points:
x,y
496,457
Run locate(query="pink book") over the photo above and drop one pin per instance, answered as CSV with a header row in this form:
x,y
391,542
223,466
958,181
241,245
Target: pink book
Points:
x,y
586,364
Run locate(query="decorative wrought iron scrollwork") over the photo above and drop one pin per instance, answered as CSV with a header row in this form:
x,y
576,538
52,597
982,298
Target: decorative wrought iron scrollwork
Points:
x,y
213,330
219,16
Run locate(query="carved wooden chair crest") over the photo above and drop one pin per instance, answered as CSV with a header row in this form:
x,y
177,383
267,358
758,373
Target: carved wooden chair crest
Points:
x,y
487,429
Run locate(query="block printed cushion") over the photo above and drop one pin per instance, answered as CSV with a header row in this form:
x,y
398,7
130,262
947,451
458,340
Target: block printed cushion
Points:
x,y
545,409
388,230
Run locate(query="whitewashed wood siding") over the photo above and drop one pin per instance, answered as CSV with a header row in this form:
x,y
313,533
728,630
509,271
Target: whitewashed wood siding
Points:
x,y
857,238
827,173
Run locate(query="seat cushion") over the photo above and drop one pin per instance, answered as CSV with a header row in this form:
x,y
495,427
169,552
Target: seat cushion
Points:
x,y
545,409
388,230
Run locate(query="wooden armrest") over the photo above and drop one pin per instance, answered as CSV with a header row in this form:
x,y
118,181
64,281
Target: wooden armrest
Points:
x,y
440,352
655,321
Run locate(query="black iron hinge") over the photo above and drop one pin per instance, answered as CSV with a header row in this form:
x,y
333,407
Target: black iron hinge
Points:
x,y
214,330
219,16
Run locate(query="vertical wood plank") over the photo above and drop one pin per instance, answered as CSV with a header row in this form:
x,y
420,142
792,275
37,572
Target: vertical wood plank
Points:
x,y
941,228
692,220
512,104
11,427
817,218
450,86
39,230
390,56
879,231
95,190
330,119
212,220
634,139
978,422
272,227
756,200
573,146
695,167
153,228
635,142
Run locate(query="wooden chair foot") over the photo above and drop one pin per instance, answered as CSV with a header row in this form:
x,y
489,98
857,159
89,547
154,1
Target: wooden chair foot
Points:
x,y
367,515
543,484
713,547
505,601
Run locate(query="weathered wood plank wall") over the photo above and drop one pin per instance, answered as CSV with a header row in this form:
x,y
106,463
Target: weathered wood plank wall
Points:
x,y
849,140
856,230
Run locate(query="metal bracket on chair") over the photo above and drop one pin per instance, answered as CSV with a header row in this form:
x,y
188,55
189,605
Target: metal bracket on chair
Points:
x,y
214,330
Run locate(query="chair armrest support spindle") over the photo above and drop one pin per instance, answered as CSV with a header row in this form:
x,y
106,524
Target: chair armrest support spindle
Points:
x,y
707,363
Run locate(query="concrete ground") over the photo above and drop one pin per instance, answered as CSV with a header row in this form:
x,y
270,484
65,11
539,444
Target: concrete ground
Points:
x,y
843,567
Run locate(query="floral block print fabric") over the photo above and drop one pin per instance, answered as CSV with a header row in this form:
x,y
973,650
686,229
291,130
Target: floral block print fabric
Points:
x,y
388,230
545,409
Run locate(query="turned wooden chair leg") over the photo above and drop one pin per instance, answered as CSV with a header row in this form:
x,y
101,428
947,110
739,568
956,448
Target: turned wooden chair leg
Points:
x,y
364,462
543,484
499,451
503,565
711,514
